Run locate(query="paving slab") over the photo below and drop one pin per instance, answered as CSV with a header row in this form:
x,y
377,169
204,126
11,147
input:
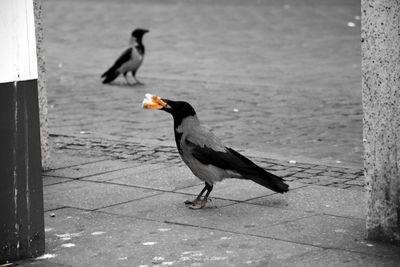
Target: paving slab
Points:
x,y
241,217
51,206
49,180
40,263
164,207
238,190
98,239
92,195
329,232
62,159
90,169
320,199
127,173
170,179
333,257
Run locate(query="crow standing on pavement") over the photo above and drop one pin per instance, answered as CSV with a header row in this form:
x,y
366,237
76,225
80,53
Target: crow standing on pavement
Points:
x,y
129,61
205,155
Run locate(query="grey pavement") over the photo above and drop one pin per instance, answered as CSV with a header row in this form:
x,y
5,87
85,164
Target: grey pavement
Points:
x,y
105,210
277,80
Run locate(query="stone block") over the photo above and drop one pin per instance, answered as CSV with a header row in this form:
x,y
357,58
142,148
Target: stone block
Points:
x,y
125,173
49,180
334,257
284,173
356,182
328,232
324,180
92,195
161,178
302,175
62,159
348,176
223,214
319,199
332,174
98,239
313,171
340,185
91,169
164,207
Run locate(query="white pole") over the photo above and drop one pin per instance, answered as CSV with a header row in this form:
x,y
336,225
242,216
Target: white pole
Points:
x,y
18,43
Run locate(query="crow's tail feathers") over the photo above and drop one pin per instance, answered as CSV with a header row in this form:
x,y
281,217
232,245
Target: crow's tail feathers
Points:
x,y
110,75
257,174
270,181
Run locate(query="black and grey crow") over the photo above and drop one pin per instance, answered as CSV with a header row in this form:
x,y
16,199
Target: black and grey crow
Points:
x,y
204,153
130,60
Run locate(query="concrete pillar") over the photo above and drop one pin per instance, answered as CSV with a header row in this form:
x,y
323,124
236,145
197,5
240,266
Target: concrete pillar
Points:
x,y
21,188
44,132
380,43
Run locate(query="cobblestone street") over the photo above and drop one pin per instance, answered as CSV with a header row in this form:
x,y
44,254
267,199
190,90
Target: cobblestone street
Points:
x,y
281,77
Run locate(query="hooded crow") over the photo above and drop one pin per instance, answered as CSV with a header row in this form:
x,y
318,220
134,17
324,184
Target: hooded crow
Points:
x,y
204,153
129,61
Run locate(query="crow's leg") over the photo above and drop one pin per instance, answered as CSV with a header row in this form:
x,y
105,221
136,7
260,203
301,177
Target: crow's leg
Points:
x,y
199,203
137,81
209,189
198,198
134,77
126,78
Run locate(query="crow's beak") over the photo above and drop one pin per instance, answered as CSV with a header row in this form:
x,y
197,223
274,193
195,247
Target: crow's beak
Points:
x,y
153,102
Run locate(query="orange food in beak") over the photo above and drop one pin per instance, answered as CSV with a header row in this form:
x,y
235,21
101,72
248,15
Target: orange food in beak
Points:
x,y
153,102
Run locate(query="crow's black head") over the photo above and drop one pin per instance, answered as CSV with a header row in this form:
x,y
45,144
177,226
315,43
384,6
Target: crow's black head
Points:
x,y
178,109
138,33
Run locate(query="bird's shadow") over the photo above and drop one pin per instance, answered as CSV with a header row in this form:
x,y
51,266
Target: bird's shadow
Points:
x,y
122,84
274,202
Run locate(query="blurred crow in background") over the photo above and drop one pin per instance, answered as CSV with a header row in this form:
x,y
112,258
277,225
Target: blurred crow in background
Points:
x,y
130,60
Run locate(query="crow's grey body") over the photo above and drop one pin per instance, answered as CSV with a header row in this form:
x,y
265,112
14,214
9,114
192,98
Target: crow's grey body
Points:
x,y
195,136
134,61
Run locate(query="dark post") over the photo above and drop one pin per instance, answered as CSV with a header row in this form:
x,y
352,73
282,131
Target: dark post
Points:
x,y
21,192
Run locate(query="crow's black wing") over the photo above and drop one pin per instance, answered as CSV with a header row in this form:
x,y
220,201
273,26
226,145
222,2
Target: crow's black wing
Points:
x,y
124,57
234,161
228,159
